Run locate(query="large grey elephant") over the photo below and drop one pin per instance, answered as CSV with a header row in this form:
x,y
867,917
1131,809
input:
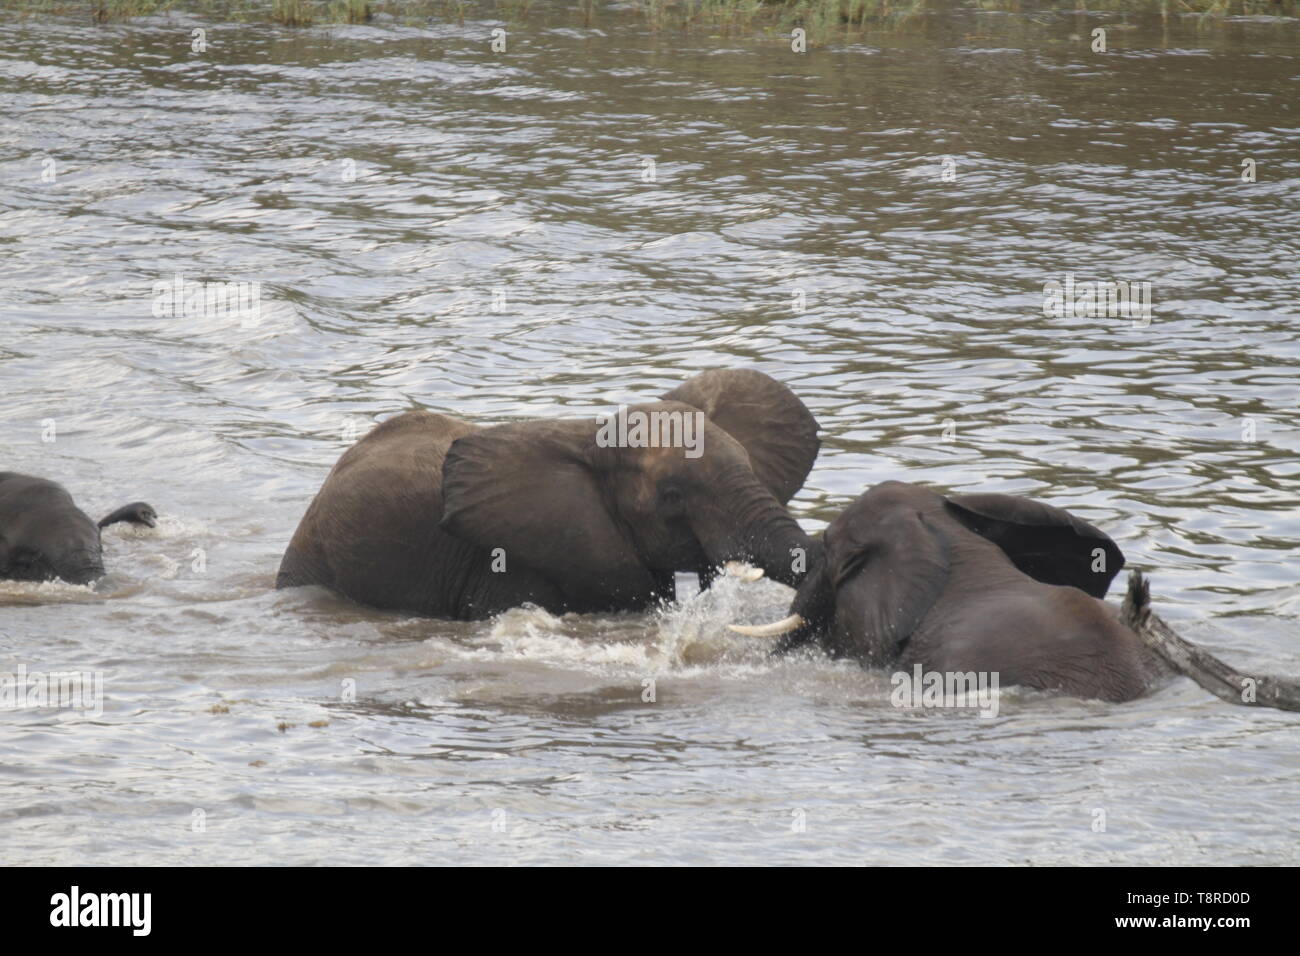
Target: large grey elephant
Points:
x,y
433,515
983,582
44,535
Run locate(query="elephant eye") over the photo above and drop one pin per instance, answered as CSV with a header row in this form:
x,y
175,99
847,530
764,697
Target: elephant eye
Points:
x,y
670,498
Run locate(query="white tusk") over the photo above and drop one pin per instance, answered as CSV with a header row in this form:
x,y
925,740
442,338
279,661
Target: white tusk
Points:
x,y
739,569
768,630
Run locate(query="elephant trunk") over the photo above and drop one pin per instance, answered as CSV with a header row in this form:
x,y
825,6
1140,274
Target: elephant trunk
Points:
x,y
782,549
757,528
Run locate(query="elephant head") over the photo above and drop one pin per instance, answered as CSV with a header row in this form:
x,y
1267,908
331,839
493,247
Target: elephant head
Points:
x,y
898,551
607,513
44,535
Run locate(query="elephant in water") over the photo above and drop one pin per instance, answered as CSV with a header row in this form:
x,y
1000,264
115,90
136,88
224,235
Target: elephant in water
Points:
x,y
432,515
44,535
985,582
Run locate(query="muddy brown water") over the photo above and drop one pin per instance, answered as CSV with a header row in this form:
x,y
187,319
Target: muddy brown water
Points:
x,y
437,225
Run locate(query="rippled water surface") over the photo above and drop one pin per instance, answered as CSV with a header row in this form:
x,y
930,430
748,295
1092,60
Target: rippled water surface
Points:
x,y
437,225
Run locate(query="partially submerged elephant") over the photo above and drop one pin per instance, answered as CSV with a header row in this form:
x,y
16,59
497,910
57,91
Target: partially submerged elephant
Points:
x,y
433,515
44,535
984,582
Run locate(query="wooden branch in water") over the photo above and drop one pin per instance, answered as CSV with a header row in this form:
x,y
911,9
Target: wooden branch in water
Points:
x,y
1201,666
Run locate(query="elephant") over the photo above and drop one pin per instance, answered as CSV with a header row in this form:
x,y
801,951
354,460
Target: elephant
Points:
x,y
989,583
44,535
435,516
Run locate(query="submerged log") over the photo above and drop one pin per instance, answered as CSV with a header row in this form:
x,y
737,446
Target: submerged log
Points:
x,y
1201,666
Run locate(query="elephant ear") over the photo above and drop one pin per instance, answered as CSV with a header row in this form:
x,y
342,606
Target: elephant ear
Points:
x,y
887,566
1048,544
775,428
530,488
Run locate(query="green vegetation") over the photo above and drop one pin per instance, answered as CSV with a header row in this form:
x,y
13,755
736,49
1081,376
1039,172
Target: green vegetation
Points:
x,y
293,13
102,10
821,19
347,11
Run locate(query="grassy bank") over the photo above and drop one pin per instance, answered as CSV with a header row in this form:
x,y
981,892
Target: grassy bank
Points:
x,y
818,17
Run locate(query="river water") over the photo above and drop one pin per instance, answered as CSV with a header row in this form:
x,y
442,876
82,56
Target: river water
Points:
x,y
586,219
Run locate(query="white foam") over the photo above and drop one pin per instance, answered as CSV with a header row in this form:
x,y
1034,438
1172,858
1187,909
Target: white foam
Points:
x,y
170,526
687,638
45,592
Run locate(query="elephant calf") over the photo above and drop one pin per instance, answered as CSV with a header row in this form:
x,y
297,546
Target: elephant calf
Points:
x,y
433,515
44,535
985,582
